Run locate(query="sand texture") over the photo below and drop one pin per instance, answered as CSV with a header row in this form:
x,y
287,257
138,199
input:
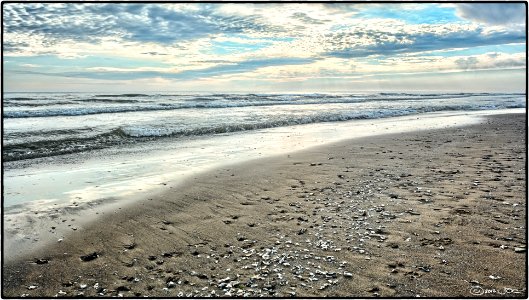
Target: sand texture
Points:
x,y
437,213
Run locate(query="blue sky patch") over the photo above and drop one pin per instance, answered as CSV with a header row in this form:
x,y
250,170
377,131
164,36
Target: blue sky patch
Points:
x,y
430,14
53,61
229,47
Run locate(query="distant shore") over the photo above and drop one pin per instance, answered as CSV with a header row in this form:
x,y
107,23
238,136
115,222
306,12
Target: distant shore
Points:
x,y
437,213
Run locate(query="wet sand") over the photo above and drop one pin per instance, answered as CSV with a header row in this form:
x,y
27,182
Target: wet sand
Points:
x,y
438,213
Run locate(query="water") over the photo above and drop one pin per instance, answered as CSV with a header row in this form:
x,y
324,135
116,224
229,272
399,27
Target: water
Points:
x,y
40,125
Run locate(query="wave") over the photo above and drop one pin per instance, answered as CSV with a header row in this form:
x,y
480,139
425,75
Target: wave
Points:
x,y
161,131
8,103
124,95
215,101
21,98
96,100
157,131
47,148
12,138
132,134
79,142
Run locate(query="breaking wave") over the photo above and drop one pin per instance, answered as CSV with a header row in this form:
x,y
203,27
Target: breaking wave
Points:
x,y
77,140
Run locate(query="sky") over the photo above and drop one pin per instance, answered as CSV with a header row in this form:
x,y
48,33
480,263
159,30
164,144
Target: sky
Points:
x,y
264,47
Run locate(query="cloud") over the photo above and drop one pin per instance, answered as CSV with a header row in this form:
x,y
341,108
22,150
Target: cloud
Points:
x,y
32,28
493,13
306,19
467,62
13,46
107,73
421,39
501,61
164,24
333,68
154,53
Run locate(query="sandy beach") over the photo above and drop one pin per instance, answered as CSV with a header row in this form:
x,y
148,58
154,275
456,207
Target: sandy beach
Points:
x,y
438,213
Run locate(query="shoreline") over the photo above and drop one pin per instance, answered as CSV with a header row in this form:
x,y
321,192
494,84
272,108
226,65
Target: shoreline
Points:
x,y
105,181
393,215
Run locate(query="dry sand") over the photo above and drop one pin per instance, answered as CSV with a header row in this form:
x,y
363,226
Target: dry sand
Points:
x,y
435,213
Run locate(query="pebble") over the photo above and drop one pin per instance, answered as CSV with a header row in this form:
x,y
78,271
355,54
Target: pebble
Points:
x,y
425,268
90,256
41,261
122,288
324,286
224,280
